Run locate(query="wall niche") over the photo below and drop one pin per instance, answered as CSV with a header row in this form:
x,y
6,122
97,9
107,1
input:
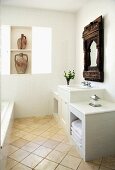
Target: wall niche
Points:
x,y
21,50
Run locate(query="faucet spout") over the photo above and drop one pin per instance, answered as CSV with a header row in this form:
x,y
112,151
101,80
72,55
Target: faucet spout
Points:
x,y
86,83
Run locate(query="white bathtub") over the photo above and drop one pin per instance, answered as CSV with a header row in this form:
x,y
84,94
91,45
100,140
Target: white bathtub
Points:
x,y
4,106
7,109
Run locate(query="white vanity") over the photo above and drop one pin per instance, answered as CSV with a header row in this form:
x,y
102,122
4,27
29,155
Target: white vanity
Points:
x,y
70,94
97,123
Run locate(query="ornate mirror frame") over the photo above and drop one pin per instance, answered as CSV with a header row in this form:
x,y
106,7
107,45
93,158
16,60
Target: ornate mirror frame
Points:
x,y
94,32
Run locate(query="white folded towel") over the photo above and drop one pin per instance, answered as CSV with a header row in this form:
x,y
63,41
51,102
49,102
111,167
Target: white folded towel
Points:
x,y
79,144
77,130
77,139
78,134
77,125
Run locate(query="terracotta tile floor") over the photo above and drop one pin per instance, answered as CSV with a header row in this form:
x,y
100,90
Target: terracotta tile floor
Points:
x,y
42,144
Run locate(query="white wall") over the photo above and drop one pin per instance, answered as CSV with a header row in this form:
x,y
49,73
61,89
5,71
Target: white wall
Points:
x,y
33,93
88,13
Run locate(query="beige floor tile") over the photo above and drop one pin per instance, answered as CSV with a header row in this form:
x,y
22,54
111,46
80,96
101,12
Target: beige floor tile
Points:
x,y
50,117
34,126
56,124
40,122
56,156
32,160
46,165
37,132
14,132
97,161
12,149
62,147
58,137
39,140
29,137
104,168
45,127
68,141
51,143
20,133
10,163
37,120
48,124
47,134
61,132
42,151
88,166
60,167
13,138
53,122
21,127
109,162
53,129
28,129
19,155
71,162
20,142
30,147
21,167
74,152
43,121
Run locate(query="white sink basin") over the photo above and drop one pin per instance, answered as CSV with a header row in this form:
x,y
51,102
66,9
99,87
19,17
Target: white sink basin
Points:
x,y
79,87
74,93
75,87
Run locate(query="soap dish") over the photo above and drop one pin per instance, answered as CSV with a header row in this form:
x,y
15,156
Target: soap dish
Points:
x,y
95,105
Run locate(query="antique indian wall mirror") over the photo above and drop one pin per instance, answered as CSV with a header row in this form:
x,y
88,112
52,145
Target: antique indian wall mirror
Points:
x,y
93,46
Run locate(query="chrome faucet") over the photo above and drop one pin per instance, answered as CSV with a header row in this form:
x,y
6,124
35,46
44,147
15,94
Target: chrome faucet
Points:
x,y
86,83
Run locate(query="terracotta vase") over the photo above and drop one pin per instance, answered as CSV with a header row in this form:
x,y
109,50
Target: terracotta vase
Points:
x,y
22,42
21,62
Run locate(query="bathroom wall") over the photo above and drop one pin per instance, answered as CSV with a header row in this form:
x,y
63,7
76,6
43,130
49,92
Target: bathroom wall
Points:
x,y
33,93
84,16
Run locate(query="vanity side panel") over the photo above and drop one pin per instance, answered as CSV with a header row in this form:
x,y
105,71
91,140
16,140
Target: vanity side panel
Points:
x,y
64,94
100,135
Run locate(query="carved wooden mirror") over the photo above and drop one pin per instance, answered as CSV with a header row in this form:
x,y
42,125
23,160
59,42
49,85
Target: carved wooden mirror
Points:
x,y
93,51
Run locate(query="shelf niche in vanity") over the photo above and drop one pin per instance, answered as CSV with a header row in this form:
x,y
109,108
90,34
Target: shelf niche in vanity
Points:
x,y
76,130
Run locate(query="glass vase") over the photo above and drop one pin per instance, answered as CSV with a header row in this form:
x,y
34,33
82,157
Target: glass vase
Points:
x,y
68,81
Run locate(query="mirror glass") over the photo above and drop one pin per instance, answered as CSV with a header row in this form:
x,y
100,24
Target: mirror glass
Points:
x,y
93,53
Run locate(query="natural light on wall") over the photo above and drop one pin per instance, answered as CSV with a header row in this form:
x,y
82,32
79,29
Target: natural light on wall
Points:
x,y
41,50
5,45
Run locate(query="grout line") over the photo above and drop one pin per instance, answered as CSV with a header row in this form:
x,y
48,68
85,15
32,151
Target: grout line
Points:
x,y
100,164
79,164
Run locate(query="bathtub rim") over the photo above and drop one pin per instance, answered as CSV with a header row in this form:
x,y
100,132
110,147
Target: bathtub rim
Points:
x,y
6,122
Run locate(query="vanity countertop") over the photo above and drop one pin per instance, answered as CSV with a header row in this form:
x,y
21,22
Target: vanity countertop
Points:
x,y
77,87
85,108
